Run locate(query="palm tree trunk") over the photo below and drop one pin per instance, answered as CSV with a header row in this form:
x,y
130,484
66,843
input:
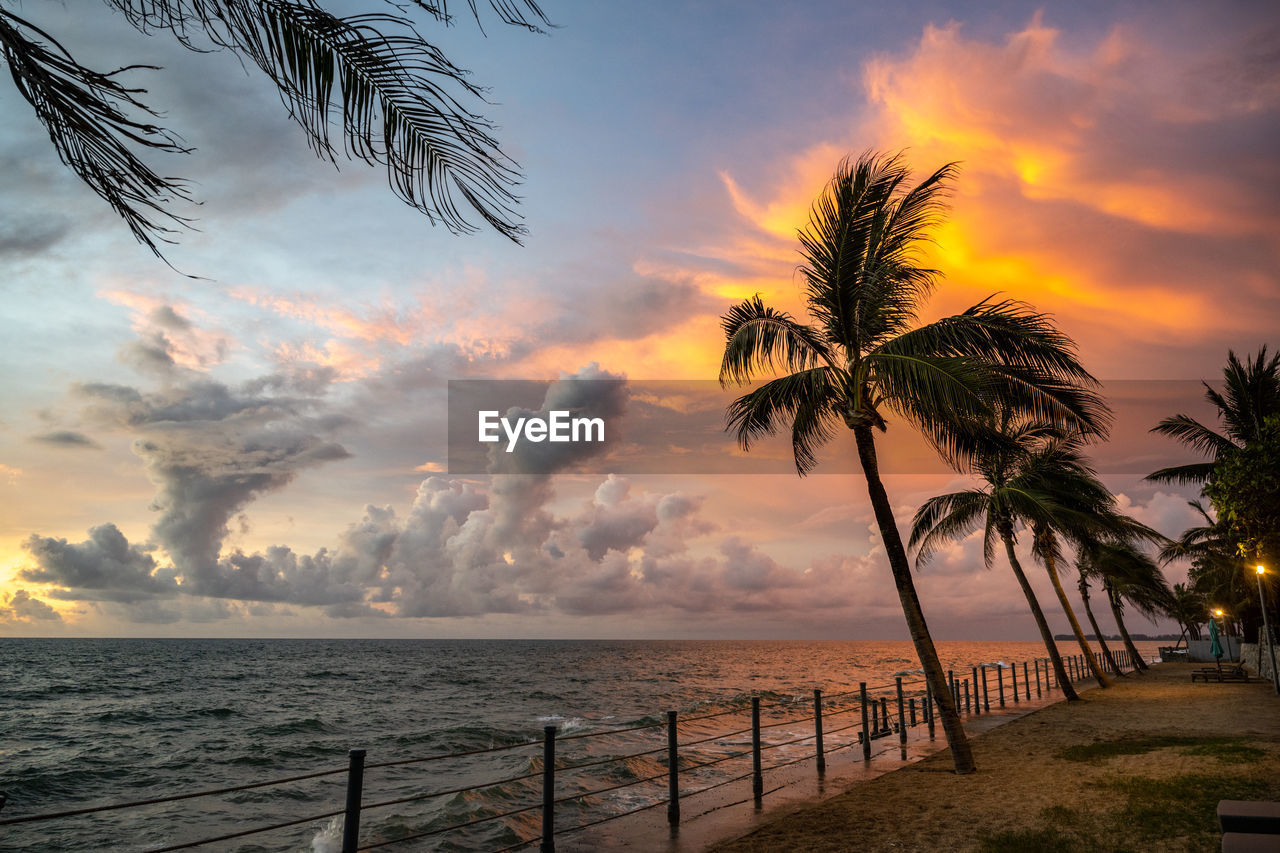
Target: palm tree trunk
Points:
x,y
1097,632
957,740
1064,681
1114,600
1051,565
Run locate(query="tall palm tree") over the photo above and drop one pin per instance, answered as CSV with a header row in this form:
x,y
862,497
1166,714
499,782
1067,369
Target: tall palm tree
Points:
x,y
1252,393
1082,584
865,359
1045,546
1127,574
1187,607
1021,481
397,100
1215,573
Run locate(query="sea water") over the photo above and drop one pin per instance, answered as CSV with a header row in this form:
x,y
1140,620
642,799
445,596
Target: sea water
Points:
x,y
88,722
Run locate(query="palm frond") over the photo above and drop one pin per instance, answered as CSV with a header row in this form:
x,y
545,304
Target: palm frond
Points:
x,y
1194,434
947,518
395,97
809,399
90,118
759,338
1196,472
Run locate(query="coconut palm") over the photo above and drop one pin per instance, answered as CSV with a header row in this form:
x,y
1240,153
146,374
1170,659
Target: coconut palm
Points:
x,y
1187,607
1021,477
1251,394
1082,584
370,80
1215,573
864,359
1126,574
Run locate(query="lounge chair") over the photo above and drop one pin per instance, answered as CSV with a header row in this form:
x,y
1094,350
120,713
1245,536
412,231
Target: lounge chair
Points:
x,y
1234,673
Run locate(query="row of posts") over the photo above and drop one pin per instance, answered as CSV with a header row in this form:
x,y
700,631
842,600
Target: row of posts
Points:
x,y
875,724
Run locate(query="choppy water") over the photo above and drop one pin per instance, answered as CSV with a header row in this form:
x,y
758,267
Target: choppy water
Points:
x,y
84,722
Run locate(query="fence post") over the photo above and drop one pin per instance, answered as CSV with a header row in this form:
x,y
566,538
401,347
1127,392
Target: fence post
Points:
x,y
928,706
902,717
1036,663
548,790
673,771
911,703
986,694
1000,684
977,697
866,730
968,708
884,715
817,730
757,774
1026,680
1013,673
875,716
355,786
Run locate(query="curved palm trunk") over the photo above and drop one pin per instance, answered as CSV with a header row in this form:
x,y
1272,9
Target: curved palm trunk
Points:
x,y
957,740
1060,671
1097,632
1096,668
1114,600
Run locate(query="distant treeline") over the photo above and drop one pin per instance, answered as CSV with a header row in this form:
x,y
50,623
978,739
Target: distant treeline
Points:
x,y
1116,637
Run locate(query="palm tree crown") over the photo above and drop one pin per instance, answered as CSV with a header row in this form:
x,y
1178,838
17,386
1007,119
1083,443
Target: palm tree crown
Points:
x,y
1251,395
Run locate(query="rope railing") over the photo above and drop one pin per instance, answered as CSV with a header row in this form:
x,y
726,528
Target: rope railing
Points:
x,y
969,695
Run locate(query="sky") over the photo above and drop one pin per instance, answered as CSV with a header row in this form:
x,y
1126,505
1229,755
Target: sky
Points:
x,y
252,441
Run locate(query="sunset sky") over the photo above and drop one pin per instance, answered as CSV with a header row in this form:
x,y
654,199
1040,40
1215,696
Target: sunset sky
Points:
x,y
260,450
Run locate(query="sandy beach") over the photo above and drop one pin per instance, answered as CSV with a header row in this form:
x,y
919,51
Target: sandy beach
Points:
x,y
1140,767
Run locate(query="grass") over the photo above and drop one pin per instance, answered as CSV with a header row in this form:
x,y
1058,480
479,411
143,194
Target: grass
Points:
x,y
1173,813
1233,750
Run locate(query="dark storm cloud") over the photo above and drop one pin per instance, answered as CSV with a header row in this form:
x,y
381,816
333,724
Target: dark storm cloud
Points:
x,y
104,567
66,438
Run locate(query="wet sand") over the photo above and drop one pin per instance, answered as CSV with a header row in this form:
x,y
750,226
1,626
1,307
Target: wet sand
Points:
x,y
1021,773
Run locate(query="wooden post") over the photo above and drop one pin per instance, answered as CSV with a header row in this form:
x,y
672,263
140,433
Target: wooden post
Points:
x,y
1000,684
866,728
1026,680
912,703
757,773
928,707
548,790
875,716
986,693
1013,673
817,730
884,715
355,787
902,717
968,709
673,771
1037,663
977,697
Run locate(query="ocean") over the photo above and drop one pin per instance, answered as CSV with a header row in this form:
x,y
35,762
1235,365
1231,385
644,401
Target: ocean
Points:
x,y
88,722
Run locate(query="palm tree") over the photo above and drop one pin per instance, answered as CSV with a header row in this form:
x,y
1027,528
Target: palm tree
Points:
x,y
1215,563
1045,547
1252,393
1187,607
1083,585
397,99
864,358
1020,476
1127,574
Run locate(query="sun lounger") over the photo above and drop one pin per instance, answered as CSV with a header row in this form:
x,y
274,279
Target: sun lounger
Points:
x,y
1249,842
1235,673
1250,816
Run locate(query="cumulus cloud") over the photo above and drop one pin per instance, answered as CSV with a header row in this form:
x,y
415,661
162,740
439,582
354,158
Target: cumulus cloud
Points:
x,y
22,606
104,567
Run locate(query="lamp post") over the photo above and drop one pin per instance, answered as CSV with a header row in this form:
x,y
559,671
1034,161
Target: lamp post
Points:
x,y
1222,620
1266,627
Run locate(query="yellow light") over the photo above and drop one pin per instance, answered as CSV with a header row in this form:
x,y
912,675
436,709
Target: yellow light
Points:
x,y
1217,612
1261,570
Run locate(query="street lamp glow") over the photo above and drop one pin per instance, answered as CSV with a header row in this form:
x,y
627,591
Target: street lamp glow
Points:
x,y
1261,570
1217,612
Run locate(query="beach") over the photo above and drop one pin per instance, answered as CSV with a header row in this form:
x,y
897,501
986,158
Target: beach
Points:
x,y
1139,766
